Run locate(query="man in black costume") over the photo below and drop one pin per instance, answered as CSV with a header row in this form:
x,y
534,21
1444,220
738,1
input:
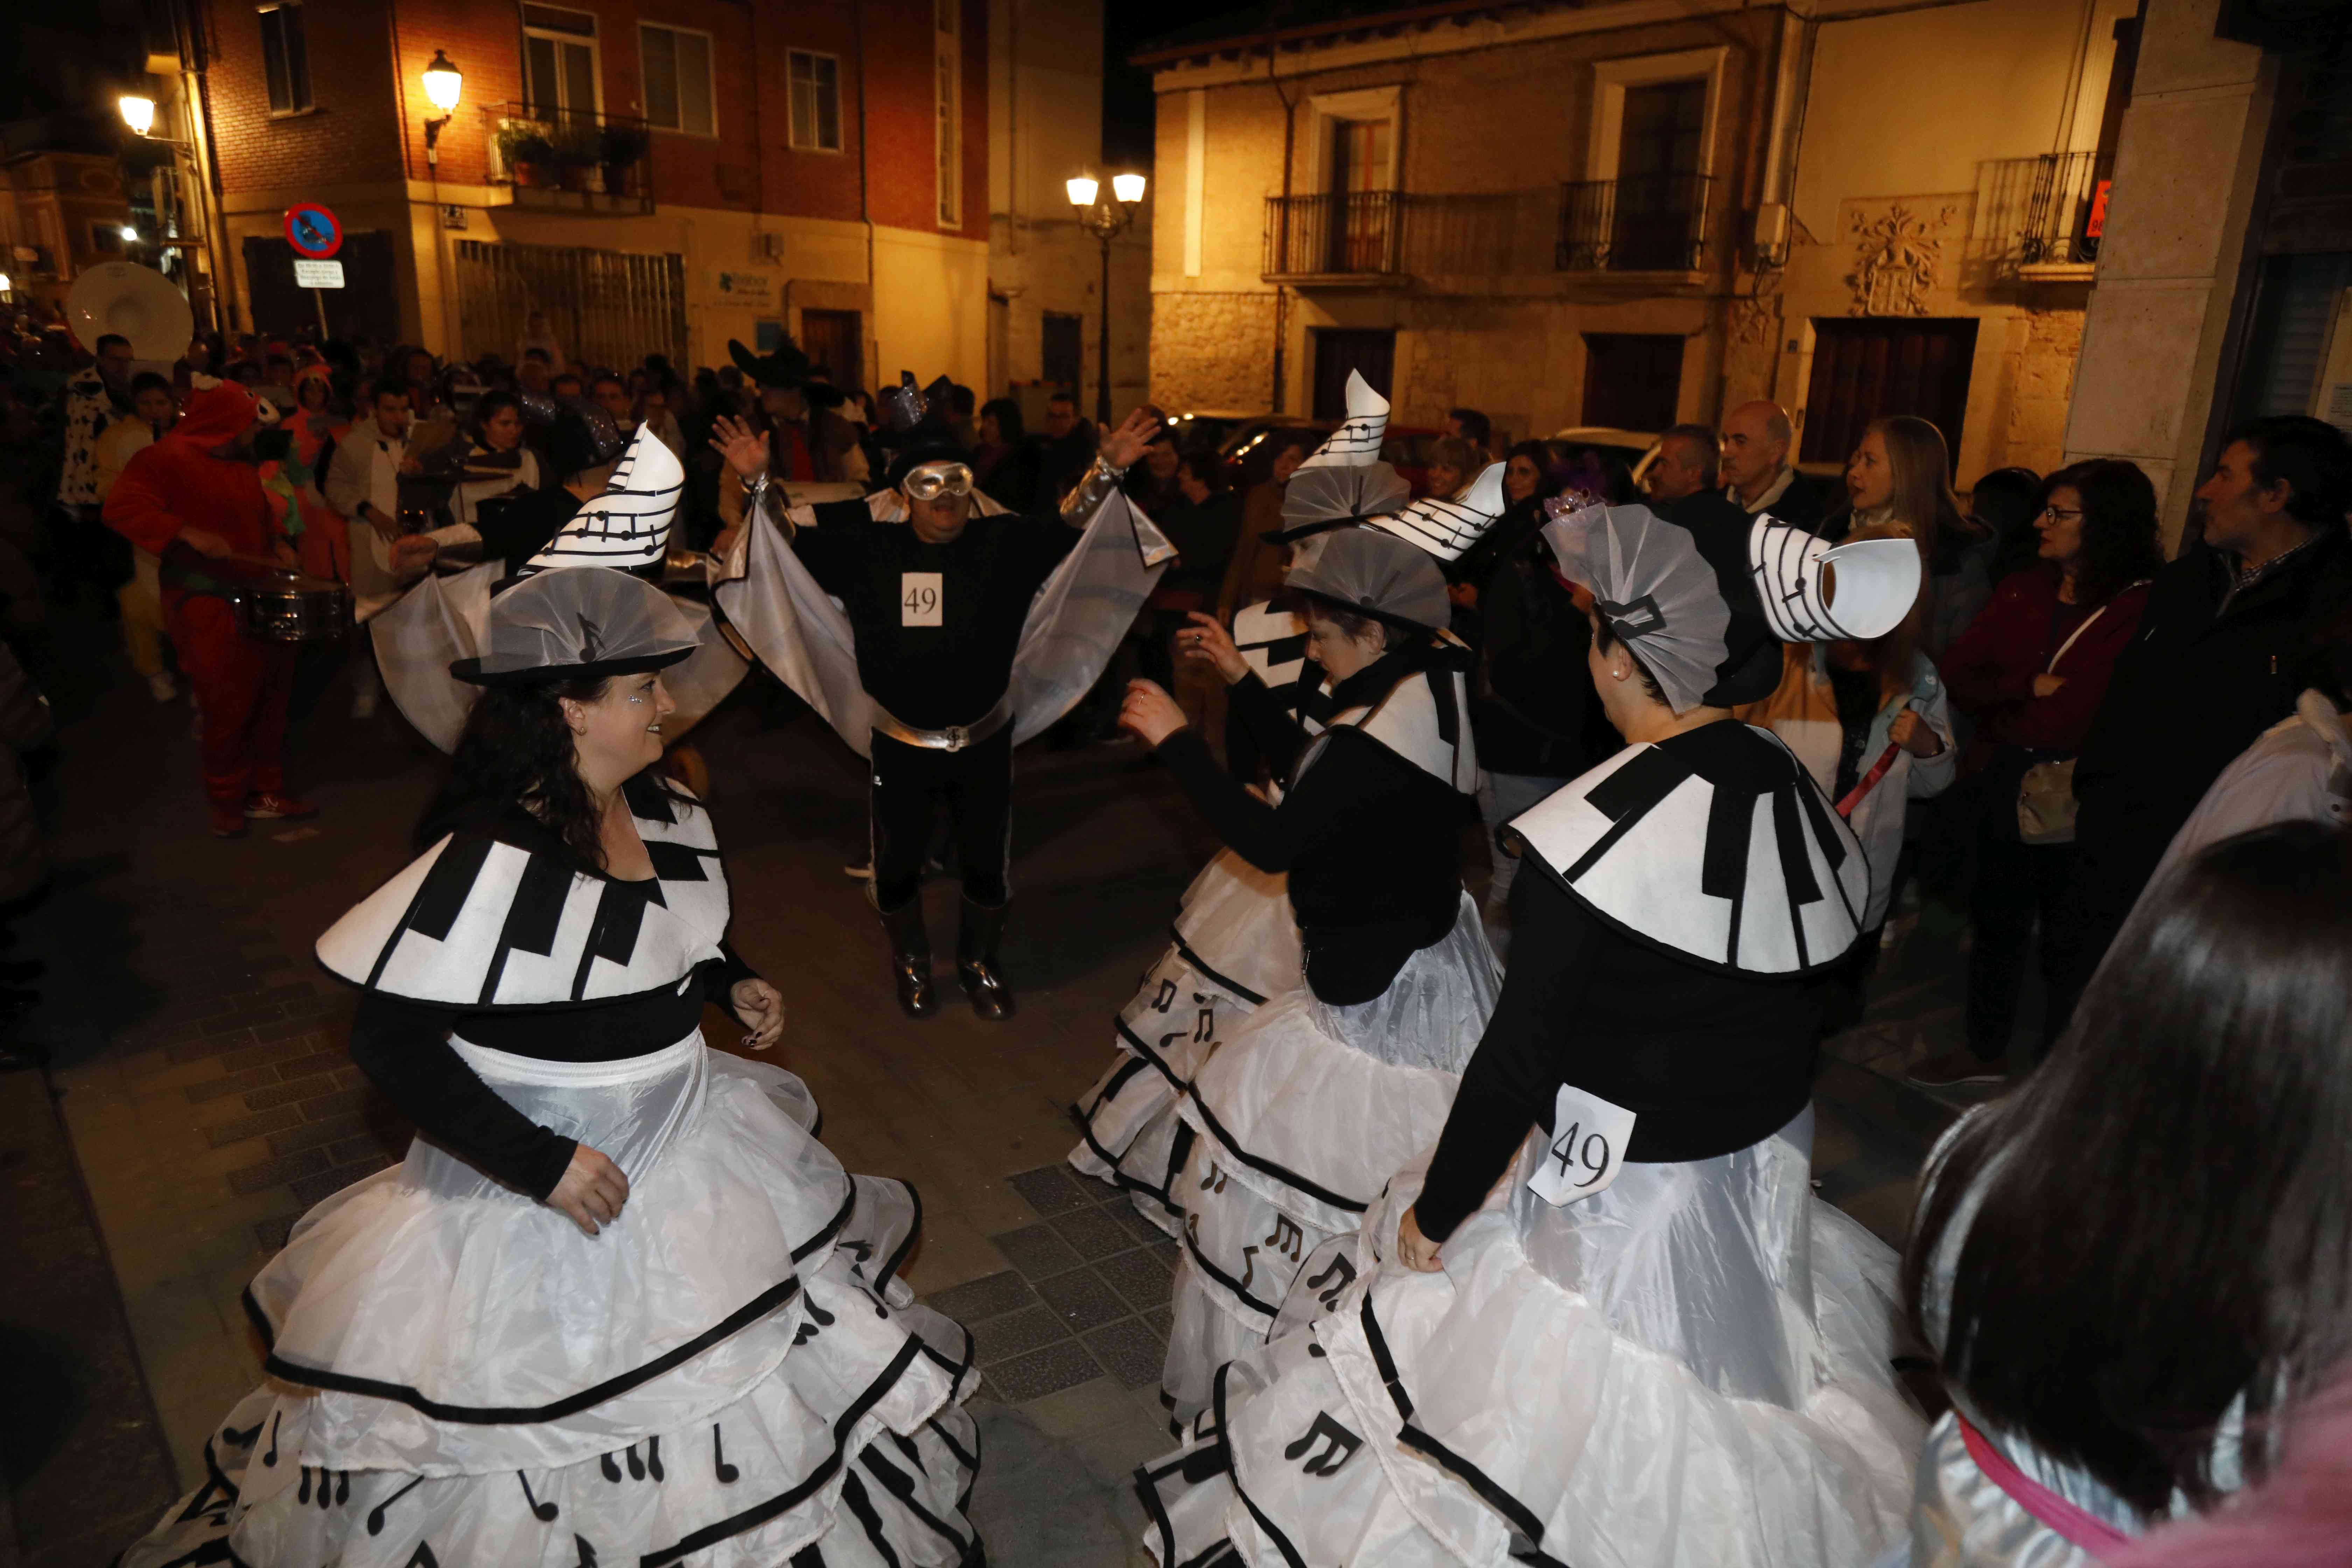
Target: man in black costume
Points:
x,y
938,609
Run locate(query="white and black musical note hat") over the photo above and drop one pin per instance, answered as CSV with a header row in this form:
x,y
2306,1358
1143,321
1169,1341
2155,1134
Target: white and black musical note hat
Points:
x,y
1692,607
1446,526
1355,444
558,619
1814,591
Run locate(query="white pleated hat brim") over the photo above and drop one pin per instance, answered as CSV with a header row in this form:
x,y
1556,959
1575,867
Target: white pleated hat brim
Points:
x,y
1813,592
1357,442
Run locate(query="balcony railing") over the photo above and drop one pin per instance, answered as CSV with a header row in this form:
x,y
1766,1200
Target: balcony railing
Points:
x,y
570,159
1655,223
2065,210
1346,233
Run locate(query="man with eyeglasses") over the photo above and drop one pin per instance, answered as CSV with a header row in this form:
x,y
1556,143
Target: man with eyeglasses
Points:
x,y
936,583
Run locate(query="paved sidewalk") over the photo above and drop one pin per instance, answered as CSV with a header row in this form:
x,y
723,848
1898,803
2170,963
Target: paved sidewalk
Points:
x,y
202,1074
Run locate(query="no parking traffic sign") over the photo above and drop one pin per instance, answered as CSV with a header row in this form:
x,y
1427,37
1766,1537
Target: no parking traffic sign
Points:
x,y
313,231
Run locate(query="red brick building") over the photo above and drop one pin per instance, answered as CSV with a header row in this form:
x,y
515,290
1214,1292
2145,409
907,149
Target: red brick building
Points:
x,y
654,174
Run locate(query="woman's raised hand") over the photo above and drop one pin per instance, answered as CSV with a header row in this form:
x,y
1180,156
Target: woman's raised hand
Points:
x,y
745,449
1206,639
592,1191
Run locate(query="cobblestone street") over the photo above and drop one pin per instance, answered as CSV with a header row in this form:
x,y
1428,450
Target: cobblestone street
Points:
x,y
205,1098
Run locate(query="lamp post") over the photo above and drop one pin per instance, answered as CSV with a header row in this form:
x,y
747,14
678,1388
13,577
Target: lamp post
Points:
x,y
138,111
1106,217
444,84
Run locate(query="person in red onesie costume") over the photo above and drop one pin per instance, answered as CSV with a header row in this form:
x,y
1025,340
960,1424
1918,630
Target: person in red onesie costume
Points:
x,y
193,498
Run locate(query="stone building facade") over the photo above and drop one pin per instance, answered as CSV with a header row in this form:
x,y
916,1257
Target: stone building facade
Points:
x,y
1617,215
1044,272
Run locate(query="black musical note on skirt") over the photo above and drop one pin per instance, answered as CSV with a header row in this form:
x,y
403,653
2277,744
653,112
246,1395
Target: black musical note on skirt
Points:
x,y
375,1514
1338,1276
1343,1445
542,1512
727,1474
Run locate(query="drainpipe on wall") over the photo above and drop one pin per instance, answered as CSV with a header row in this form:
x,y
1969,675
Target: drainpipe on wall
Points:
x,y
196,58
864,210
1282,233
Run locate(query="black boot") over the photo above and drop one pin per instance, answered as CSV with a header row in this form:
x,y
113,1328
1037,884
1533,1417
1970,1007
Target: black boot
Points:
x,y
977,968
911,958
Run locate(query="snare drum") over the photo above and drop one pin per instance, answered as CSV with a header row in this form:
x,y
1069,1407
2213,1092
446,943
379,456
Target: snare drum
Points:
x,y
286,606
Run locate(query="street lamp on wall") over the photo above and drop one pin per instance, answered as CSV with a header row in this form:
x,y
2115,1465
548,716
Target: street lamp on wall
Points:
x,y
444,84
138,112
1106,217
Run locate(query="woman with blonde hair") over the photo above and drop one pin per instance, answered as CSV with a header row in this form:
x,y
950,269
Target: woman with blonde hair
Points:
x,y
1898,483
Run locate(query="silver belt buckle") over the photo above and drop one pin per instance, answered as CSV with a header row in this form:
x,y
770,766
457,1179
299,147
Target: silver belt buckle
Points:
x,y
959,737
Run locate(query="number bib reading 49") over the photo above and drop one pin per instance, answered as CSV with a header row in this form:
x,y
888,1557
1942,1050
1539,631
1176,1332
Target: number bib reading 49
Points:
x,y
1587,1151
919,596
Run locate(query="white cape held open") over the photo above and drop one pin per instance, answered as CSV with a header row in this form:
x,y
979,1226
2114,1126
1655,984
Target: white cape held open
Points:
x,y
1074,622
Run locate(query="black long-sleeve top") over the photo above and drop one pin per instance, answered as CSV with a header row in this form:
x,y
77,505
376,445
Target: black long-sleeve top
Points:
x,y
404,1048
954,672
1371,843
1708,1059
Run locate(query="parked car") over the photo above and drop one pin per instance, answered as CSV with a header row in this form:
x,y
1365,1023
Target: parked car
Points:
x,y
1637,449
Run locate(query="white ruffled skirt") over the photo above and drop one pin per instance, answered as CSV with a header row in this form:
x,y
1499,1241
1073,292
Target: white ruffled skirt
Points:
x,y
1233,944
1296,1125
731,1373
1688,1369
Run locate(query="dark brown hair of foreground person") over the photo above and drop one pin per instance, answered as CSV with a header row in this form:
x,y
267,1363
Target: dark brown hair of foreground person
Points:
x,y
2165,1225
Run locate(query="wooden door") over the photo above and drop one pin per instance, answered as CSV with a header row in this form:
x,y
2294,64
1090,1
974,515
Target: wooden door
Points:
x,y
1873,367
1339,350
835,341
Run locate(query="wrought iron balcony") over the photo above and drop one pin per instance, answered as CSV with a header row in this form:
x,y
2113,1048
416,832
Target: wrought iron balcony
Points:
x,y
1654,224
569,159
1345,234
2065,210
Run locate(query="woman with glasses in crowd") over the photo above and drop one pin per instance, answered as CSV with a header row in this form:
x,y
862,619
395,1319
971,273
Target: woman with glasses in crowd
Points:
x,y
2031,670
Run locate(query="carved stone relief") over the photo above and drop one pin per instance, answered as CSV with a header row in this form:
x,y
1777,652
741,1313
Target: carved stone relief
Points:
x,y
1901,251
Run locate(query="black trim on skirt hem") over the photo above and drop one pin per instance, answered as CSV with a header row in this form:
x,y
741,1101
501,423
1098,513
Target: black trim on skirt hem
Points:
x,y
751,1312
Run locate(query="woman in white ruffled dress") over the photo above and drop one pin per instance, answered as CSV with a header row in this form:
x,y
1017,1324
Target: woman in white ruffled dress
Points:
x,y
1297,1117
1634,1337
1232,945
618,1304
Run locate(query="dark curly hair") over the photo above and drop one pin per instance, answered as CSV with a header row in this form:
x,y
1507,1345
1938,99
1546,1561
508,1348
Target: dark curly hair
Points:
x,y
517,751
2119,529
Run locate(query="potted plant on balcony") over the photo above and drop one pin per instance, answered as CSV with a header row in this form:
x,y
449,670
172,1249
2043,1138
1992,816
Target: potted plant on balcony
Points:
x,y
619,146
526,151
577,156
